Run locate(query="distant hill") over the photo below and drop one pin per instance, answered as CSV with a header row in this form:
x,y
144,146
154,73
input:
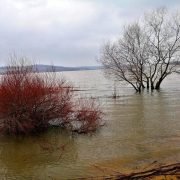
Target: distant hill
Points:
x,y
50,68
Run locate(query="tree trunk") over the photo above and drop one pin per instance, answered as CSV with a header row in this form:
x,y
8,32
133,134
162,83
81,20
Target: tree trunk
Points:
x,y
142,85
152,85
147,83
157,87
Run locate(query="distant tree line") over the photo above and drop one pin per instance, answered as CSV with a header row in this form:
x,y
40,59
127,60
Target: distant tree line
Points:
x,y
147,51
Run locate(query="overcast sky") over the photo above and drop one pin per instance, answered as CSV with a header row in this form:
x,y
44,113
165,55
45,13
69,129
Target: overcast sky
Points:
x,y
66,32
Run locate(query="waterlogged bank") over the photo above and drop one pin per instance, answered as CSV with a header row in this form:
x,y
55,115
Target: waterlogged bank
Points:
x,y
141,130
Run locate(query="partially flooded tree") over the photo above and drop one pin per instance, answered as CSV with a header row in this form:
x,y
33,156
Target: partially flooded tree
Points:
x,y
126,59
163,33
146,53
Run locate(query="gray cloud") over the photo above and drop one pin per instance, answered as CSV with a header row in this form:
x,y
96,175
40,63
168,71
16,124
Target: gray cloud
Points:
x,y
65,32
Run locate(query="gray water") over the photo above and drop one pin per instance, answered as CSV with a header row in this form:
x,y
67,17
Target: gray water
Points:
x,y
141,130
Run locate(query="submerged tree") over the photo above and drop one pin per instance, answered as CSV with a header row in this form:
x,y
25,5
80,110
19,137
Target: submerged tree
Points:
x,y
146,53
163,32
125,59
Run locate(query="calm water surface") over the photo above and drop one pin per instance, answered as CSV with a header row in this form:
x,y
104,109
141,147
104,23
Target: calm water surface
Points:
x,y
141,130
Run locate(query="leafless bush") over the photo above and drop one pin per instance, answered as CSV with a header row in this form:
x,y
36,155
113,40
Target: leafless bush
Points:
x,y
29,101
87,116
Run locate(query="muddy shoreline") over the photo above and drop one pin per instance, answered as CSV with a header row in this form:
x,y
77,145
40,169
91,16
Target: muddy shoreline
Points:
x,y
170,171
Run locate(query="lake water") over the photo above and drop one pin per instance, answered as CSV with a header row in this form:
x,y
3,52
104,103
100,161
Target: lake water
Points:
x,y
141,130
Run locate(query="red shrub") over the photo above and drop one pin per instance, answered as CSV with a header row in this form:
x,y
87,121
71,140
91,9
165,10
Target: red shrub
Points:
x,y
29,100
87,115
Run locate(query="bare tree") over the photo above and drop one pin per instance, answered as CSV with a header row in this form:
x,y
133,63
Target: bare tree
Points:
x,y
125,59
163,32
146,53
